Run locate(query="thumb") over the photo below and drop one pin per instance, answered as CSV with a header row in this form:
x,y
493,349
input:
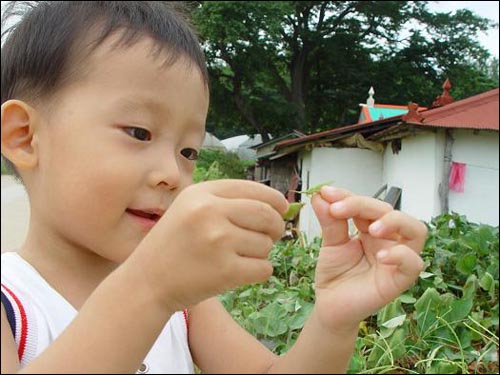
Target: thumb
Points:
x,y
335,231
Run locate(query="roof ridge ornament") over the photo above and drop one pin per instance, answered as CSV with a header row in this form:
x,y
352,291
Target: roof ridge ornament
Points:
x,y
412,115
445,97
370,102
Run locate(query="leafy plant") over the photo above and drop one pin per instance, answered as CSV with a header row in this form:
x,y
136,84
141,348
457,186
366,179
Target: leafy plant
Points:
x,y
276,310
447,323
215,164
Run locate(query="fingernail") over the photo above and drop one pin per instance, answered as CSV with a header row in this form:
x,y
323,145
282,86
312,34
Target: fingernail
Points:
x,y
382,254
376,227
328,189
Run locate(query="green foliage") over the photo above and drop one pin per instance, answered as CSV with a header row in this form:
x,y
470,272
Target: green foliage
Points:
x,y
4,168
447,323
215,165
276,66
276,311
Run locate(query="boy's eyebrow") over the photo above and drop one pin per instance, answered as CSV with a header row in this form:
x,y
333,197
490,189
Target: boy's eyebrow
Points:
x,y
134,103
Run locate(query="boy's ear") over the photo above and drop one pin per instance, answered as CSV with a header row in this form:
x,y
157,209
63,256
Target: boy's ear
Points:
x,y
19,144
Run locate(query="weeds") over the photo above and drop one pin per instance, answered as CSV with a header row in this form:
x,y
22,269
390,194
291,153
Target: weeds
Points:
x,y
447,323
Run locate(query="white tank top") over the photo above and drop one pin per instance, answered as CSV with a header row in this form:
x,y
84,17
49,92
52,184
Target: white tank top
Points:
x,y
38,314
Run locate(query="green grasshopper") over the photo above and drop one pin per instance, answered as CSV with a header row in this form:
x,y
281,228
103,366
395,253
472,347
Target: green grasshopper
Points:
x,y
294,208
314,189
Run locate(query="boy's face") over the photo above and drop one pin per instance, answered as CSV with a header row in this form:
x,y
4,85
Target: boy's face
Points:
x,y
118,144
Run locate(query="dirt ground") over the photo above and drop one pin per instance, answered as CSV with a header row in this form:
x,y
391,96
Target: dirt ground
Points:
x,y
15,214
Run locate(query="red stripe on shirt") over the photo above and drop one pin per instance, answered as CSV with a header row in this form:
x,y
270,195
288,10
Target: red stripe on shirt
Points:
x,y
24,323
186,319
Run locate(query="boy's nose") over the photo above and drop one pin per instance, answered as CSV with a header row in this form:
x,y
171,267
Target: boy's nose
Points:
x,y
166,173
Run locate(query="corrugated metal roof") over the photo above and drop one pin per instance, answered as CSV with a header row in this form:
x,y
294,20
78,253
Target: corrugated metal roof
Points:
x,y
476,112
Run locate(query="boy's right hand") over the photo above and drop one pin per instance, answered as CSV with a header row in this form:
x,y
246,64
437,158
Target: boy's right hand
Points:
x,y
216,235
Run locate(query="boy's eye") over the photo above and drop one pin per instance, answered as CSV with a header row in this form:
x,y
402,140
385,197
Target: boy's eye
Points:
x,y
189,153
138,133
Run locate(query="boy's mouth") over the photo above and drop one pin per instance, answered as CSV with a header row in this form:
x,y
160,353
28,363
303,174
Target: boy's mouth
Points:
x,y
151,215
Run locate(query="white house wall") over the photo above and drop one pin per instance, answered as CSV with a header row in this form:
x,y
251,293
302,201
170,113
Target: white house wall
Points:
x,y
416,170
354,169
479,201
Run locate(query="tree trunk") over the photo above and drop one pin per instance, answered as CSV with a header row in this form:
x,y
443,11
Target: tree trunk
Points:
x,y
245,111
298,74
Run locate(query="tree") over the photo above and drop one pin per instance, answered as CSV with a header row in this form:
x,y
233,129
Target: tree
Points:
x,y
282,65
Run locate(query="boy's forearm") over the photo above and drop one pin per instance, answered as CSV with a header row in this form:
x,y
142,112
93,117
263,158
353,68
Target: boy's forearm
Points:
x,y
112,333
317,351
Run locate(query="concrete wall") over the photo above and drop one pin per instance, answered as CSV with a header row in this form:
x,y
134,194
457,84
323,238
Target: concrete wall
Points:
x,y
417,170
479,201
354,169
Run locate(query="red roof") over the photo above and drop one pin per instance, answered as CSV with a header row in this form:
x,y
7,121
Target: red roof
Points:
x,y
476,112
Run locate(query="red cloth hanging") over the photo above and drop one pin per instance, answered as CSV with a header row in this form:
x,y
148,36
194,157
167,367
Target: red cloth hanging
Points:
x,y
457,177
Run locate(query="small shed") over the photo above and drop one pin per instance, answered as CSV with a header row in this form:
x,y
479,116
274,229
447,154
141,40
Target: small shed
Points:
x,y
276,170
441,159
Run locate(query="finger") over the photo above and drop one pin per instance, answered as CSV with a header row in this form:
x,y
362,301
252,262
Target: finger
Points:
x,y
360,207
398,226
408,263
248,190
332,194
252,244
251,270
334,231
255,216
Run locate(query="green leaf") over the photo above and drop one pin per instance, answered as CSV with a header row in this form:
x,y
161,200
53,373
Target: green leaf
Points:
x,y
459,310
390,312
470,287
425,275
395,322
426,307
386,350
486,281
406,298
465,338
275,328
268,327
443,367
397,342
429,300
246,293
297,321
466,263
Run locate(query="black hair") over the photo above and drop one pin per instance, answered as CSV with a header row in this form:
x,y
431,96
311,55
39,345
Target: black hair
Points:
x,y
40,51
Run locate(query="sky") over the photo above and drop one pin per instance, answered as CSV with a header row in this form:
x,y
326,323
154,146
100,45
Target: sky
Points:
x,y
488,9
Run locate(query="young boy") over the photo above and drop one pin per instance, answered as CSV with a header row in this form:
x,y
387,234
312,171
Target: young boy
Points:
x,y
103,113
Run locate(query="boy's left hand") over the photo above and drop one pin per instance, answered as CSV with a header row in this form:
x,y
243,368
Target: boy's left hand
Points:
x,y
357,276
